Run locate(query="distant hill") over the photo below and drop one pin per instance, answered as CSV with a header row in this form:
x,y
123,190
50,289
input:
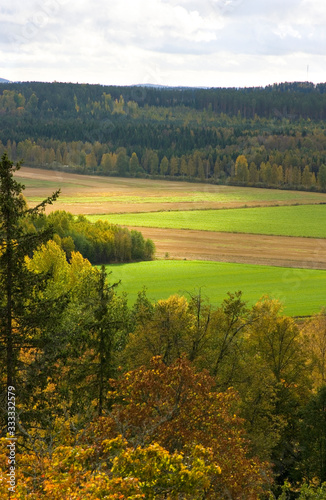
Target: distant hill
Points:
x,y
153,85
167,87
3,80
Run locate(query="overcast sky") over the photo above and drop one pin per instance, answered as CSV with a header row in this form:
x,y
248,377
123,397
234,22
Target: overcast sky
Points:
x,y
210,43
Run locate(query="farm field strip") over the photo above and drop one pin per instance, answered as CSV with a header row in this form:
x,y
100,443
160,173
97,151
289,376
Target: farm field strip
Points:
x,y
241,248
198,197
302,291
87,194
301,220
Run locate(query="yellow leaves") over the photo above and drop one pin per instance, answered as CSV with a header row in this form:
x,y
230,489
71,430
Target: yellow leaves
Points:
x,y
160,471
266,305
313,336
27,356
111,446
166,332
50,388
48,255
173,408
104,465
78,262
76,275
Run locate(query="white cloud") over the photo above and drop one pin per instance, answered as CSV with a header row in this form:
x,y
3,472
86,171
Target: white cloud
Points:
x,y
193,42
285,30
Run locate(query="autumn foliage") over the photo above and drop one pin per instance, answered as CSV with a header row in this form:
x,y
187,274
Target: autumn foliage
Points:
x,y
178,408
169,435
173,400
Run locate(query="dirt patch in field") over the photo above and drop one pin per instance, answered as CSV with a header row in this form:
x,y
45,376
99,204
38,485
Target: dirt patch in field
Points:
x,y
241,248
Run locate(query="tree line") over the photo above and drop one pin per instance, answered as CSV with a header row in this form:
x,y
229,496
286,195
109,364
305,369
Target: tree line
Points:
x,y
179,398
134,131
288,99
259,167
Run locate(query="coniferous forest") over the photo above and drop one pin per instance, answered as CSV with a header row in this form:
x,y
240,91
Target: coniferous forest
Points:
x,y
266,137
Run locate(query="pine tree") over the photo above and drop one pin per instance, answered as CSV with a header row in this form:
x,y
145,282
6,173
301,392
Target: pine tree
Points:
x,y
19,313
322,177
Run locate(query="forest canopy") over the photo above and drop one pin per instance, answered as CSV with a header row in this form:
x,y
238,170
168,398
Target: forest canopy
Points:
x,y
268,137
99,242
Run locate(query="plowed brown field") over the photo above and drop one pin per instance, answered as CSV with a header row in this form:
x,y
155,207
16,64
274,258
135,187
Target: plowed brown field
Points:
x,y
242,248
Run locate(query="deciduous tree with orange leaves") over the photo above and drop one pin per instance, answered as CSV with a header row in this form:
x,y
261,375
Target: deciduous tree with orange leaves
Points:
x,y
169,435
178,408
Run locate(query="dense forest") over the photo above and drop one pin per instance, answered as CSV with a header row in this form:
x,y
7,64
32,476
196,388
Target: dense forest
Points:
x,y
268,137
176,399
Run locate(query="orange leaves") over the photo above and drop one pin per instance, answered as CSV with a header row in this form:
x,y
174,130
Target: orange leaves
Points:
x,y
178,408
169,435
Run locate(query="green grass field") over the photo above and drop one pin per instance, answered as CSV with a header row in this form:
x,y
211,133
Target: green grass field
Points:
x,y
302,291
301,220
198,197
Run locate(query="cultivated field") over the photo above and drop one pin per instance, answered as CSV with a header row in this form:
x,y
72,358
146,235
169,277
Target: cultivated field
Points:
x,y
302,291
198,224
303,220
106,197
83,194
242,248
282,236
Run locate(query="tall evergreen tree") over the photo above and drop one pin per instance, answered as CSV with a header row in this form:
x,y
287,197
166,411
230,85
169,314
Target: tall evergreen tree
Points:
x,y
19,311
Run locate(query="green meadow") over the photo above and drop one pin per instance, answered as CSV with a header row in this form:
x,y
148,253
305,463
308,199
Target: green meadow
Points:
x,y
299,220
302,291
190,197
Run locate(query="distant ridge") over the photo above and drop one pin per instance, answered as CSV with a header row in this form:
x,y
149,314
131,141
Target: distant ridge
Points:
x,y
168,87
154,85
3,80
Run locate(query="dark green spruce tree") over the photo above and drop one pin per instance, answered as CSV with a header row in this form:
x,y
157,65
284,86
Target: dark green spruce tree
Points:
x,y
21,311
101,335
